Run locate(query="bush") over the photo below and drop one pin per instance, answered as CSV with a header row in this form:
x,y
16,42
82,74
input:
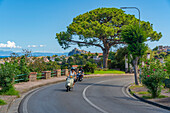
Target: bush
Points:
x,y
153,75
11,91
168,64
89,67
7,72
2,102
23,69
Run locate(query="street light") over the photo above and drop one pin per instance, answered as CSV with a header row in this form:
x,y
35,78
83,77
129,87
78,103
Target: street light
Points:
x,y
132,8
139,24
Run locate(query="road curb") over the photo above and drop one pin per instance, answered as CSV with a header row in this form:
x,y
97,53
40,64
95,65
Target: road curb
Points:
x,y
147,101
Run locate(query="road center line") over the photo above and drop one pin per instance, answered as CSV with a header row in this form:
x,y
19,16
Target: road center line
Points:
x,y
92,104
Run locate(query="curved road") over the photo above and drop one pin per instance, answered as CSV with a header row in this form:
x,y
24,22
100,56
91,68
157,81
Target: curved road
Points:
x,y
94,95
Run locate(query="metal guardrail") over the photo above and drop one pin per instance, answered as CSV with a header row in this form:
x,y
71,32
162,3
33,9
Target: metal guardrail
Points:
x,y
39,76
53,73
21,77
24,77
62,72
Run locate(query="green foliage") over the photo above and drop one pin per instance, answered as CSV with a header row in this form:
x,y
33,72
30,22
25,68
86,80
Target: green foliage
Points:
x,y
150,97
89,67
57,59
101,27
153,75
37,66
118,58
7,72
167,60
52,66
135,37
143,92
109,71
23,69
11,91
2,102
155,49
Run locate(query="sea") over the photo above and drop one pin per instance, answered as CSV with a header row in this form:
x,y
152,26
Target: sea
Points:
x,y
4,56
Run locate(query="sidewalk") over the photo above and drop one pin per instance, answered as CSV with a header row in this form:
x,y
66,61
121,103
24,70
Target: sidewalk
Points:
x,y
25,87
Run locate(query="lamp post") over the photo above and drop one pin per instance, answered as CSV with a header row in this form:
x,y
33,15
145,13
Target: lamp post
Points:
x,y
132,8
139,26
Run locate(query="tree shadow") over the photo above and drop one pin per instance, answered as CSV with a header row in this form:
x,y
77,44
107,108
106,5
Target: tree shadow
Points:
x,y
98,84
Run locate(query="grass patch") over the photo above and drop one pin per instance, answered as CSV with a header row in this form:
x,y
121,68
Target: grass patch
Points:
x,y
2,102
143,92
132,92
149,97
162,96
135,86
146,97
110,71
11,91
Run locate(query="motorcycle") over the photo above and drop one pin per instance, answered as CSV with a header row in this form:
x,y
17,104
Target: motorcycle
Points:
x,y
79,76
69,83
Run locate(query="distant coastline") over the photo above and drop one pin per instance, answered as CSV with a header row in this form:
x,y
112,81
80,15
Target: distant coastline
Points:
x,y
36,54
4,56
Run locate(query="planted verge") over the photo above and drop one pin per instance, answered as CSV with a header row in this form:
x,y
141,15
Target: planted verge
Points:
x,y
153,76
142,91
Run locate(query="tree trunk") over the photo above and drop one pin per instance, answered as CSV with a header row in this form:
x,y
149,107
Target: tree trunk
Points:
x,y
135,66
105,57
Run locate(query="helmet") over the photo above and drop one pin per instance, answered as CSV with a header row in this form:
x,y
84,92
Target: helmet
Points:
x,y
72,68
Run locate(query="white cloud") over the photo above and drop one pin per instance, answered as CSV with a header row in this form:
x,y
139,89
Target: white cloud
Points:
x,y
32,45
36,46
9,45
42,45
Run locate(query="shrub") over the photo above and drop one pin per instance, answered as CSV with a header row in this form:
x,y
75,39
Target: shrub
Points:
x,y
2,102
11,91
153,75
168,64
24,69
89,67
7,72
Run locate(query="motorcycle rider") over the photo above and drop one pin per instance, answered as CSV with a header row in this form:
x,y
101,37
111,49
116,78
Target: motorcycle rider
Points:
x,y
81,71
73,74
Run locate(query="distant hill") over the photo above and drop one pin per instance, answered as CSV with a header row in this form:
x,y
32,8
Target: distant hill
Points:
x,y
7,53
76,51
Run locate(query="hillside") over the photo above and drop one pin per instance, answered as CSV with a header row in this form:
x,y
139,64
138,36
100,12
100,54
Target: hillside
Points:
x,y
76,51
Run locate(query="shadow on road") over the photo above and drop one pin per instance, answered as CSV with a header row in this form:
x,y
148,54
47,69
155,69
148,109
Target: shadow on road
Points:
x,y
107,85
60,90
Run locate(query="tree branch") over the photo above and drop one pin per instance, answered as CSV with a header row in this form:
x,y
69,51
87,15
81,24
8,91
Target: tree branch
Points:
x,y
79,42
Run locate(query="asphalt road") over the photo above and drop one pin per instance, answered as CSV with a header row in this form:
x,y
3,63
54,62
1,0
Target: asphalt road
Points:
x,y
93,95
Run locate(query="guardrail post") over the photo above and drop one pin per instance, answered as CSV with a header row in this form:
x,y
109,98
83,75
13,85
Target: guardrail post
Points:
x,y
58,72
65,72
46,74
32,76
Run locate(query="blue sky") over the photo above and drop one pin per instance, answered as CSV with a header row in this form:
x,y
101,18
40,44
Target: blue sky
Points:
x,y
32,24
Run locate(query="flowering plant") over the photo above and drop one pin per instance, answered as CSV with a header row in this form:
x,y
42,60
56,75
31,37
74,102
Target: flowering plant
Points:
x,y
152,76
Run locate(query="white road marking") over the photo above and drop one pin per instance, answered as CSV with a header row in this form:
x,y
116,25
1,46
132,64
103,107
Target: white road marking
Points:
x,y
127,94
26,100
25,103
92,104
